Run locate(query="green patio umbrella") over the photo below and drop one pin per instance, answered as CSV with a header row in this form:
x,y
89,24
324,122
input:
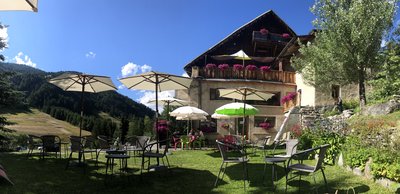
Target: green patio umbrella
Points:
x,y
237,109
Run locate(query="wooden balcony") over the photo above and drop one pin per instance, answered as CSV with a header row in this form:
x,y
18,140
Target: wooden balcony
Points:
x,y
258,75
258,37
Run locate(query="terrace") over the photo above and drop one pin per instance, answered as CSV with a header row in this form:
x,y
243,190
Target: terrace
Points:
x,y
257,74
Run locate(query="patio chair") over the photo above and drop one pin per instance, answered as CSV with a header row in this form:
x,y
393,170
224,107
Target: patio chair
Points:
x,y
4,177
185,141
149,153
77,146
137,144
223,147
33,144
51,143
309,169
291,148
91,147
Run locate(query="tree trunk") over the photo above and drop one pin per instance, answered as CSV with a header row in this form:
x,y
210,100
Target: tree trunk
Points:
x,y
361,87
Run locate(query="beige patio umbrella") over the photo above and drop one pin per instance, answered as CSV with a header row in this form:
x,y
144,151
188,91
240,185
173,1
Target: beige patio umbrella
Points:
x,y
19,5
189,113
240,55
157,82
83,83
245,93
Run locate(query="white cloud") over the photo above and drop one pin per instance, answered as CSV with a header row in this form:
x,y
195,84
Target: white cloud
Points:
x,y
129,69
133,69
121,87
185,75
145,68
149,95
3,36
90,55
24,60
383,43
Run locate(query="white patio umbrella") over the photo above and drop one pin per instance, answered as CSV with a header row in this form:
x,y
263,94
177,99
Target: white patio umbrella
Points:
x,y
240,55
189,113
169,101
19,5
245,93
83,83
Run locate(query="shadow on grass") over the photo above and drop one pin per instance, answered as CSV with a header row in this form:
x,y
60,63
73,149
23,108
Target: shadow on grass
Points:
x,y
34,175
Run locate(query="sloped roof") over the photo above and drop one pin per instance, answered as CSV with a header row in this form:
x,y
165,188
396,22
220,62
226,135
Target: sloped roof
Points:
x,y
267,18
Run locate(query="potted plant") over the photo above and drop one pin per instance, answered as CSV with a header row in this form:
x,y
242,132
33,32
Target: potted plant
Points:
x,y
251,71
287,100
223,68
285,35
265,125
265,72
238,70
264,31
210,70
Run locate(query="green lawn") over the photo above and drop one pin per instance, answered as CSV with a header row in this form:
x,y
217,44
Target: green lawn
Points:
x,y
192,171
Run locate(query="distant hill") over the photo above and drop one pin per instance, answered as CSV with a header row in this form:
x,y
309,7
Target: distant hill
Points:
x,y
66,105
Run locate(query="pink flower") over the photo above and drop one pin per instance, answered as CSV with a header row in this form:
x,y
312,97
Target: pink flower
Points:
x,y
289,97
251,67
211,66
264,31
265,125
285,35
223,67
238,67
265,68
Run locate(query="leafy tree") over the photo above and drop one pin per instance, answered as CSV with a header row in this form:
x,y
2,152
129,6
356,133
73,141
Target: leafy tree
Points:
x,y
347,43
148,126
387,82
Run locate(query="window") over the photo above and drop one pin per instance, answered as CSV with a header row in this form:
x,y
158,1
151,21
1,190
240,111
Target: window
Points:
x,y
273,101
214,94
258,120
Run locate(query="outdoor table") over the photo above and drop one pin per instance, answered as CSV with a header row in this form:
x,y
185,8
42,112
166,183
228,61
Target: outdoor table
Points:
x,y
119,155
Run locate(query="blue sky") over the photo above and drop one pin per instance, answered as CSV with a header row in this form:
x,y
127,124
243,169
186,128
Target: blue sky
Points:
x,y
105,37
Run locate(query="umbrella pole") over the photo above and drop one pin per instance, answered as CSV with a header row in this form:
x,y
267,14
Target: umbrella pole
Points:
x,y
157,136
81,123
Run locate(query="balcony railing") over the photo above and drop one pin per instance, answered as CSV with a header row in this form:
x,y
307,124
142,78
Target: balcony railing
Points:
x,y
230,73
259,37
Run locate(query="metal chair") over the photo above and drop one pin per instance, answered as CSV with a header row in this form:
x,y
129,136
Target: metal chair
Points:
x,y
149,153
303,168
33,143
136,145
291,148
76,147
51,143
223,147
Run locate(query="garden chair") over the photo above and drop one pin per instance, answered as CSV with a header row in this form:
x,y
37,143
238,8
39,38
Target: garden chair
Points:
x,y
149,153
76,147
291,148
176,141
223,147
51,143
199,142
304,168
91,147
137,144
3,176
185,141
33,144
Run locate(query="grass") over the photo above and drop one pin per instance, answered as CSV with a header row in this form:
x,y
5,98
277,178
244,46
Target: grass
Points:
x,y
38,123
192,171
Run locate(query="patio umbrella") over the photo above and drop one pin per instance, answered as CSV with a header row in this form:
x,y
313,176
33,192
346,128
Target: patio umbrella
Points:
x,y
19,5
221,116
245,93
240,55
189,113
83,83
169,101
157,82
237,109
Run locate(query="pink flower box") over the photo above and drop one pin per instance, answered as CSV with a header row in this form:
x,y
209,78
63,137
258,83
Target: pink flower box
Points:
x,y
223,67
211,66
264,31
238,67
285,35
265,68
251,67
